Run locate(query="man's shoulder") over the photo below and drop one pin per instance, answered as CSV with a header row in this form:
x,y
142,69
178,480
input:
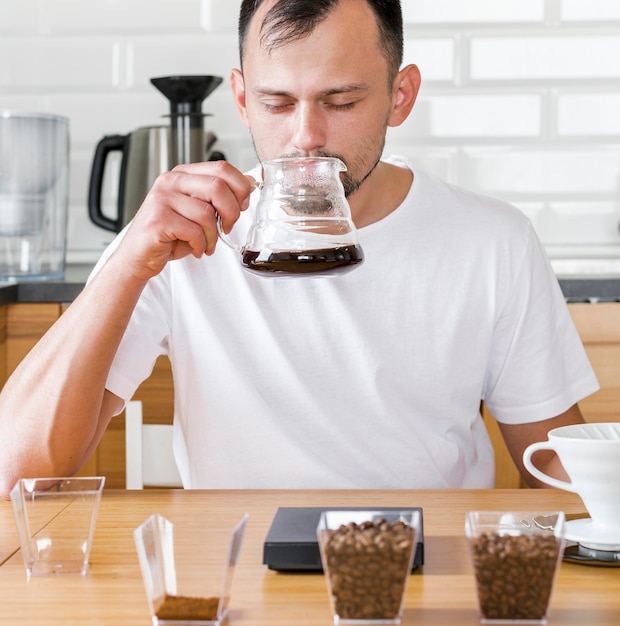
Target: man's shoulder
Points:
x,y
430,191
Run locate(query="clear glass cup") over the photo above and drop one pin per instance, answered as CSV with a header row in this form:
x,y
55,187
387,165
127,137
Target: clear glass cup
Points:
x,y
515,556
187,570
367,558
56,520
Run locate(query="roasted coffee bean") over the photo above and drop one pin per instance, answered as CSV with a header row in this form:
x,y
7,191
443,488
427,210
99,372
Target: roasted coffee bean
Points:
x,y
514,574
367,565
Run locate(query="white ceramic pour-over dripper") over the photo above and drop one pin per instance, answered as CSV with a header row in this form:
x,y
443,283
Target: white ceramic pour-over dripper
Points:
x,y
590,454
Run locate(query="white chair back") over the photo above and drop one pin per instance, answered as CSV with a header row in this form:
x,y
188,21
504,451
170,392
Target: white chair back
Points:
x,y
149,458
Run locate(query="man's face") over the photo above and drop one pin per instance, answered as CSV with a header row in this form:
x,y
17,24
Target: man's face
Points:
x,y
324,95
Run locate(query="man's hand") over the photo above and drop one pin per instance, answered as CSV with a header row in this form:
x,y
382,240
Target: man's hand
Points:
x,y
179,215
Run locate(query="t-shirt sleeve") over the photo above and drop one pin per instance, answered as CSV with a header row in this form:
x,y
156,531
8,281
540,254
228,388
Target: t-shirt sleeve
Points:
x,y
538,367
146,336
144,340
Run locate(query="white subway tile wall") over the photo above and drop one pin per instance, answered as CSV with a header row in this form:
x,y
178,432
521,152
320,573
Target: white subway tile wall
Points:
x,y
520,98
567,57
590,10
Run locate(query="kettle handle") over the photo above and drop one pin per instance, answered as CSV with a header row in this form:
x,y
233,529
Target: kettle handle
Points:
x,y
106,145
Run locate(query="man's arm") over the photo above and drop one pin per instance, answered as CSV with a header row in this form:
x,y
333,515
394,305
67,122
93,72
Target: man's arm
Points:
x,y
52,408
520,436
55,408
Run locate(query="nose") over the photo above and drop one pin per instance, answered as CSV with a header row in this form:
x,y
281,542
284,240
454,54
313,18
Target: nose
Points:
x,y
310,129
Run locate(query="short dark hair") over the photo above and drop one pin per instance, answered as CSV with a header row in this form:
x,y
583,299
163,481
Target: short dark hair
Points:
x,y
294,19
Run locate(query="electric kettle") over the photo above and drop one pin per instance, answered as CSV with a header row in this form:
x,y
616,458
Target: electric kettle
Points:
x,y
148,151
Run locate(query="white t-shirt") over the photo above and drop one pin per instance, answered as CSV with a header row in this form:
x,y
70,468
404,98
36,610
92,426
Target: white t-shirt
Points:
x,y
371,379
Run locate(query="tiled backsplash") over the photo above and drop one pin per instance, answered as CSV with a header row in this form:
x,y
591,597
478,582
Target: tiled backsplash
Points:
x,y
520,98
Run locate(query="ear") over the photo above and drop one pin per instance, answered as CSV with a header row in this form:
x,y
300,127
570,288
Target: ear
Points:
x,y
404,94
237,86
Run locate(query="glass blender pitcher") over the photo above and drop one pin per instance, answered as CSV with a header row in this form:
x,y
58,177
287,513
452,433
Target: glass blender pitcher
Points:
x,y
303,221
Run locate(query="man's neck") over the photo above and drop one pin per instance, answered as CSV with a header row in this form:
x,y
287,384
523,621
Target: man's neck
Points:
x,y
383,192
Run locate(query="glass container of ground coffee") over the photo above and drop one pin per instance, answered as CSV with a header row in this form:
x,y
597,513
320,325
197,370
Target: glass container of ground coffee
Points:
x,y
187,568
302,222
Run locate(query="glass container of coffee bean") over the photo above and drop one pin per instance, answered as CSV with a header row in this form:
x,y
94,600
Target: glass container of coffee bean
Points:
x,y
366,557
515,557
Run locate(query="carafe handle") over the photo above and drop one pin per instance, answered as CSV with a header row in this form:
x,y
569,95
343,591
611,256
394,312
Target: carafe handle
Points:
x,y
220,229
225,238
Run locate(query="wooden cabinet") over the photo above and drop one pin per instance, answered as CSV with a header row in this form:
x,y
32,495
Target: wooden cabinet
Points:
x,y
25,325
599,328
21,326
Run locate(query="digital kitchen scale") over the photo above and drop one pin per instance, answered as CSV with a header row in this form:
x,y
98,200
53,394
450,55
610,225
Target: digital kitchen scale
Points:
x,y
291,543
576,553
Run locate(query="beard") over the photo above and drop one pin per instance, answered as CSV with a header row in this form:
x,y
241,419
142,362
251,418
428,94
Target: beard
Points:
x,y
351,184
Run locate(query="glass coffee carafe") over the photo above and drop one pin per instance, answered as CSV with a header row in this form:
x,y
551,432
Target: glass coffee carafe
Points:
x,y
303,221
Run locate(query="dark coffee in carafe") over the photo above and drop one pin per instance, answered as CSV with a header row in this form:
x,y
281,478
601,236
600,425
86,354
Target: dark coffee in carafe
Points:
x,y
326,261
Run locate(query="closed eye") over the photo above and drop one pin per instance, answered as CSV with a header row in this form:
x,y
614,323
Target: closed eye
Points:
x,y
273,107
338,99
276,104
276,108
340,106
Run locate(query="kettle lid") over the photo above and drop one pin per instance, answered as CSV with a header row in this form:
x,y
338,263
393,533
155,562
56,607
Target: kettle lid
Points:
x,y
186,93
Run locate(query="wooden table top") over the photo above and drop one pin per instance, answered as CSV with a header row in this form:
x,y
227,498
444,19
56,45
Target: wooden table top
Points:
x,y
9,541
442,592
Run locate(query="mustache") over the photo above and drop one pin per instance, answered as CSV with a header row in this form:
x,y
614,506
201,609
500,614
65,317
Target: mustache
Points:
x,y
317,153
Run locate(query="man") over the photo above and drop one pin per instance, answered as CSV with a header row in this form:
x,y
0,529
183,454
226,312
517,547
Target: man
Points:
x,y
372,379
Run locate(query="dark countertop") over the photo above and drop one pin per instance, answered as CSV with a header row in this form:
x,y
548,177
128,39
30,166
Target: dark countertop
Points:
x,y
576,288
591,289
63,291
